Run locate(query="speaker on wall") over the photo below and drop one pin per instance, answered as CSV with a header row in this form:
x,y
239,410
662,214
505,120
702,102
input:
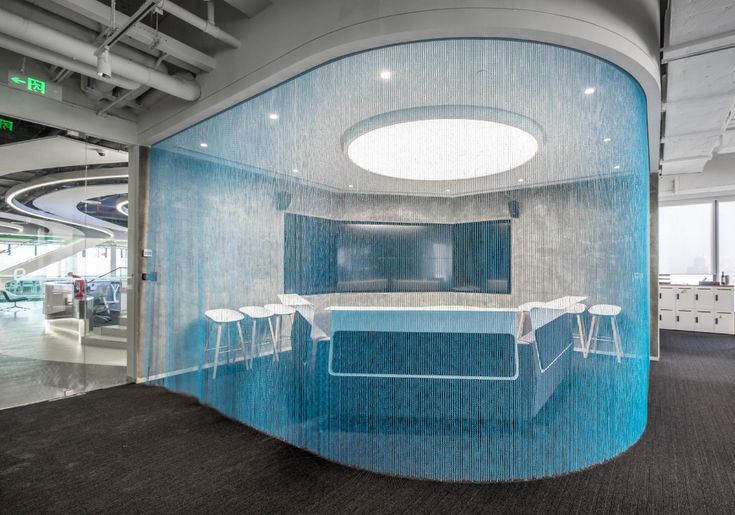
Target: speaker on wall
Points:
x,y
283,200
514,208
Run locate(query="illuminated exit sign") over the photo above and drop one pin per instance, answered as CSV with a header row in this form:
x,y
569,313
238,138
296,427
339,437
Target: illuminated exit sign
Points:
x,y
6,125
34,85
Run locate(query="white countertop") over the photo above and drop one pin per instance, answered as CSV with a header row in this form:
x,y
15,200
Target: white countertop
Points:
x,y
415,308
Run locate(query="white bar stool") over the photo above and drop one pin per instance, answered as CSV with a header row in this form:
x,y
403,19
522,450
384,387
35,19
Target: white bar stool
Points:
x,y
281,313
222,318
610,311
256,313
578,310
525,309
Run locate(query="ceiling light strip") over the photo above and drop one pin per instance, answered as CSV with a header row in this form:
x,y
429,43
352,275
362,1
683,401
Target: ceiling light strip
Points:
x,y
12,194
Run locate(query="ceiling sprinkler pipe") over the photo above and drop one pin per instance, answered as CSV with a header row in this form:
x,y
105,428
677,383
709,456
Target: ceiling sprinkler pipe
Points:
x,y
47,56
50,39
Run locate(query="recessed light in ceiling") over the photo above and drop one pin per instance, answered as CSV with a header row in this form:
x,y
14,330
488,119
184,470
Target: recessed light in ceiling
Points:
x,y
273,116
385,74
203,145
589,90
441,149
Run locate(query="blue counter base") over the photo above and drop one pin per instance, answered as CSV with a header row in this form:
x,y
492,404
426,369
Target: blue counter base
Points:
x,y
572,431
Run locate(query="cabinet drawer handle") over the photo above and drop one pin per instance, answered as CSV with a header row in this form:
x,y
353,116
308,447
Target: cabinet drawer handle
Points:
x,y
696,320
717,321
659,295
659,317
677,296
696,296
677,318
717,297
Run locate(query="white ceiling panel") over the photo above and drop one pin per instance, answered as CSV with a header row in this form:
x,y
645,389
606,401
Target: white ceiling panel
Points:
x,y
698,19
702,75
54,152
692,145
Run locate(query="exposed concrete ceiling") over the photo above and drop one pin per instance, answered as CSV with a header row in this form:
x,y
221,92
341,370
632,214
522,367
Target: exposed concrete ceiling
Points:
x,y
699,54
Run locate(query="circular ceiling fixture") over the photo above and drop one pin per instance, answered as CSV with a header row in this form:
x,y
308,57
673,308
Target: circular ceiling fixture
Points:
x,y
442,143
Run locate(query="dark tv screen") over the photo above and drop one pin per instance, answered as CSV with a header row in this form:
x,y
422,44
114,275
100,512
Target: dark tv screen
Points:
x,y
324,256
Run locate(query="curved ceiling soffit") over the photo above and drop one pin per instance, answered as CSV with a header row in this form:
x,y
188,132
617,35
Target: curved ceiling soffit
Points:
x,y
51,228
65,178
63,204
583,26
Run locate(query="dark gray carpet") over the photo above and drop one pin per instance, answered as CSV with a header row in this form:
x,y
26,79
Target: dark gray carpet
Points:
x,y
142,449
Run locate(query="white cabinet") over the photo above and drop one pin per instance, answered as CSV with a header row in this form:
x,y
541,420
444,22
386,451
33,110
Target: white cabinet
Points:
x,y
723,300
685,320
704,321
704,298
667,297
684,297
724,323
667,319
697,308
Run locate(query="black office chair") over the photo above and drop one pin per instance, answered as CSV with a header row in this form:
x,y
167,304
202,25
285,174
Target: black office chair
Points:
x,y
15,300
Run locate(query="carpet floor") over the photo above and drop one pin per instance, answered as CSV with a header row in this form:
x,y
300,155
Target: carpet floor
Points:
x,y
140,449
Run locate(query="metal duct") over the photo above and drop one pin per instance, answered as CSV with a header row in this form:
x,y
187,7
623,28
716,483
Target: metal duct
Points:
x,y
49,57
45,37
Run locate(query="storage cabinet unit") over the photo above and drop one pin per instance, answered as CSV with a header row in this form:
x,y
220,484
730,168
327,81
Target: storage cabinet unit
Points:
x,y
697,308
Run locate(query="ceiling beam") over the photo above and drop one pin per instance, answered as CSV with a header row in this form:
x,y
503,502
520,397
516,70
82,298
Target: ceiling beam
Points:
x,y
699,47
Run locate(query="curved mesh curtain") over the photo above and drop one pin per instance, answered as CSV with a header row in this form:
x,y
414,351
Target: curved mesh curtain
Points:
x,y
408,352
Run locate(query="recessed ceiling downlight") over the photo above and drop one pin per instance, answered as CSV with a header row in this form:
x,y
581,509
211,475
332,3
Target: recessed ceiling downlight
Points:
x,y
442,149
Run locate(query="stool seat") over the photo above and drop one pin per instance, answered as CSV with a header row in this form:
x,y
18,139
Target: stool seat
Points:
x,y
528,306
256,311
223,316
280,309
605,310
577,309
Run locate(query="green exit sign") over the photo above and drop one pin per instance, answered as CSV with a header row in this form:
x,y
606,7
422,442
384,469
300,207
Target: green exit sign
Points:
x,y
6,125
34,85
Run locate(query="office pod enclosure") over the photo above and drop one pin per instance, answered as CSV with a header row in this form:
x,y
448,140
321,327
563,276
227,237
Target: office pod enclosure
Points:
x,y
427,260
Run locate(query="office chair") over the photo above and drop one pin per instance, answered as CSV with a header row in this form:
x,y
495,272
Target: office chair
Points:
x,y
14,300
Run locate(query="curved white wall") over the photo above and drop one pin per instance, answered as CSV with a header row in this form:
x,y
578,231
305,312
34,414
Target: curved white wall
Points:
x,y
291,37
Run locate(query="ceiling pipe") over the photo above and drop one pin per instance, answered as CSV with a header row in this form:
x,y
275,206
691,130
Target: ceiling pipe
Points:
x,y
206,26
41,54
45,37
49,14
143,36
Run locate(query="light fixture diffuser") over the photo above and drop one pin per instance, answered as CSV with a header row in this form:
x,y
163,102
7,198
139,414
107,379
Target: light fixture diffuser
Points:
x,y
442,149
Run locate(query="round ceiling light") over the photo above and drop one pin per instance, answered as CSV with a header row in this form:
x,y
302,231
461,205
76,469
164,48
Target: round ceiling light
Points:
x,y
441,148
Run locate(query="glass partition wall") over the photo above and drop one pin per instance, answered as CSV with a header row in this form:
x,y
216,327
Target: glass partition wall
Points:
x,y
427,260
63,269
